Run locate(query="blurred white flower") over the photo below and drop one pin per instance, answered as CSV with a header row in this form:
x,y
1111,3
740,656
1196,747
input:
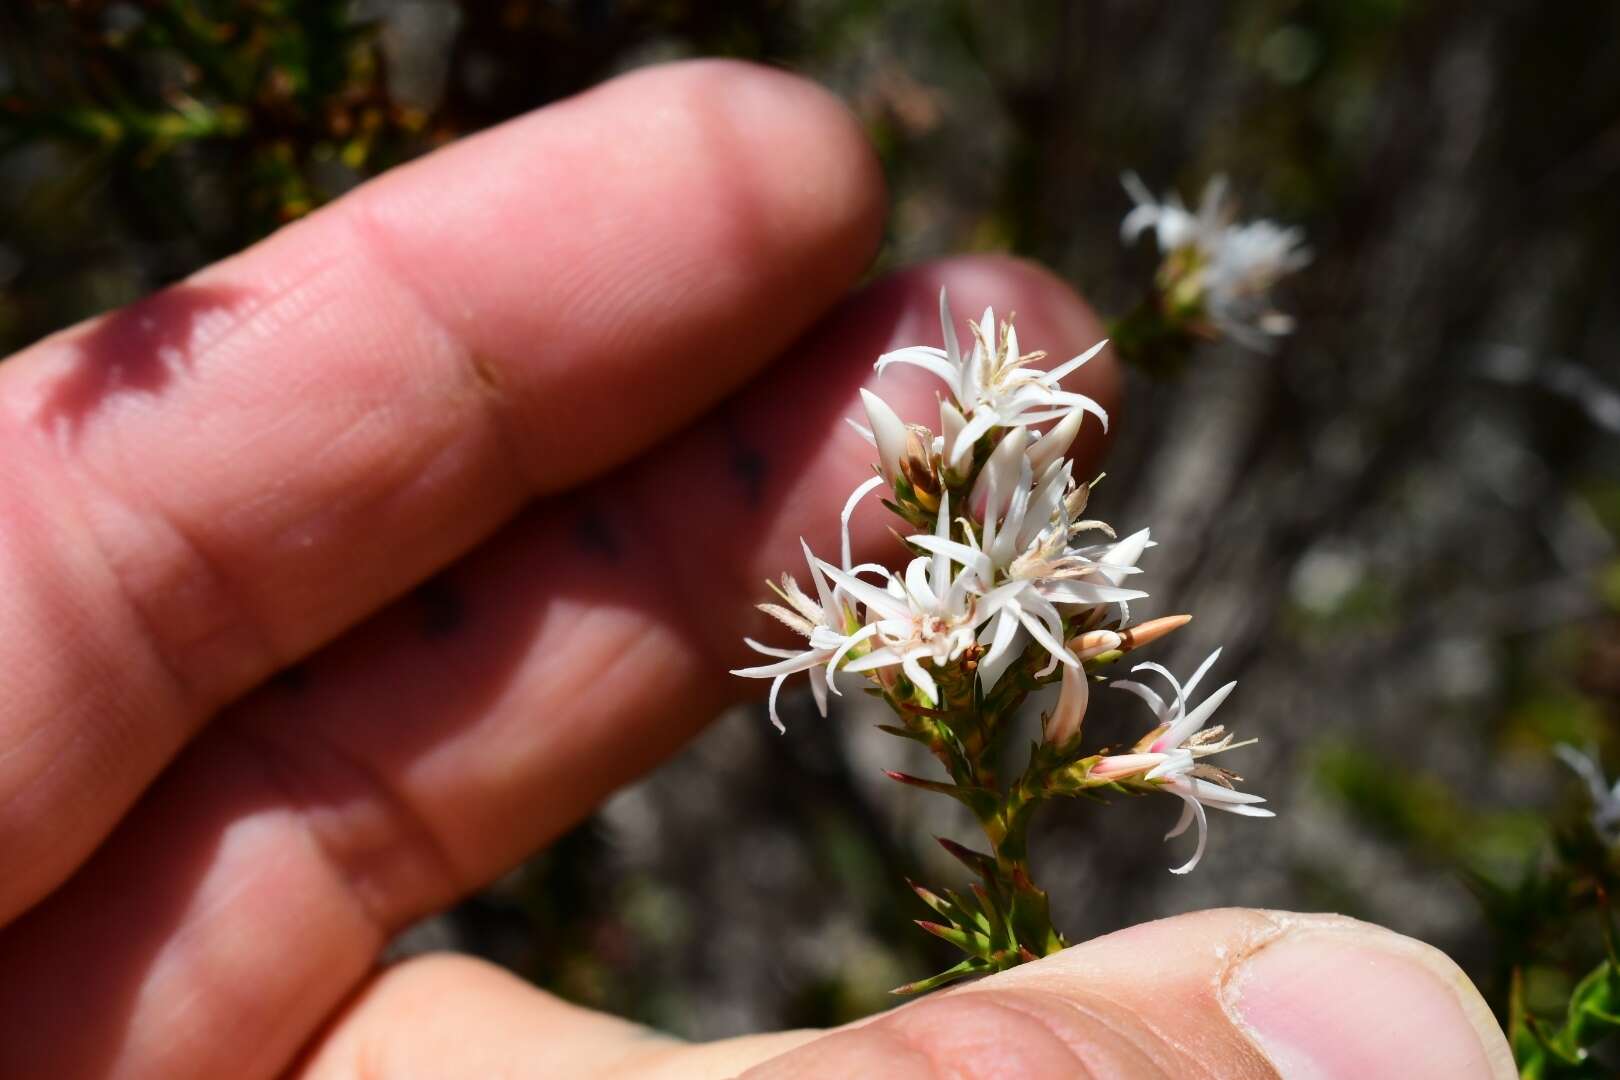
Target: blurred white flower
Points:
x,y
992,385
1605,815
1225,269
1174,227
1169,755
1248,260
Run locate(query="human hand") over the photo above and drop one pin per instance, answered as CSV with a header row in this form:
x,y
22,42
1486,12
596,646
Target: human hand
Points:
x,y
459,458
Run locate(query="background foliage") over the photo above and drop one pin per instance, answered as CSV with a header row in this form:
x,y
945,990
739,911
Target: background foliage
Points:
x,y
1403,524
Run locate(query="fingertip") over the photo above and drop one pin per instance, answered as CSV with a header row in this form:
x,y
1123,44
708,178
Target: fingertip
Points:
x,y
687,188
1311,997
820,164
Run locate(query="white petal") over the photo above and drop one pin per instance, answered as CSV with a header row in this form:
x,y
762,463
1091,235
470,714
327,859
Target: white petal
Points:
x,y
1209,662
1175,763
1179,706
1222,798
770,650
818,688
876,599
1203,839
1137,220
1587,769
972,558
1001,655
918,586
1051,642
947,330
978,424
1087,592
940,572
1242,811
770,704
884,657
843,650
923,681
849,511
1078,362
1198,719
1000,472
929,359
1055,443
1136,189
803,662
1128,551
951,423
823,593
1187,814
1147,694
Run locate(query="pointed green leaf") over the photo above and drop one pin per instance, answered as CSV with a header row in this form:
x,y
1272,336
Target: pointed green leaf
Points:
x,y
978,862
970,966
972,944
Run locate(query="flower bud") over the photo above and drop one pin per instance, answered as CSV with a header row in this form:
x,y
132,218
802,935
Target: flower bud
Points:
x,y
1063,726
1055,443
917,466
1123,766
889,431
1001,473
1094,643
1146,633
951,423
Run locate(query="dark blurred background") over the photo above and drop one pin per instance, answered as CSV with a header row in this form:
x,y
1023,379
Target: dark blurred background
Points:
x,y
1402,525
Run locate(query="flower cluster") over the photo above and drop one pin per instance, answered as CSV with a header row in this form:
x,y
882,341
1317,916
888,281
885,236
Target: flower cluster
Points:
x,y
1215,268
1008,586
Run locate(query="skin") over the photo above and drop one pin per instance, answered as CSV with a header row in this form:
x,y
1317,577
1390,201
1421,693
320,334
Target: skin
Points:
x,y
324,603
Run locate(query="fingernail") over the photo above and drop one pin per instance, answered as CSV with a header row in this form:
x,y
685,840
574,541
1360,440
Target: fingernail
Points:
x,y
1362,1002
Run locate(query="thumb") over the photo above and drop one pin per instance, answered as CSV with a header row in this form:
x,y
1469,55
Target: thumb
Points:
x,y
1231,993
1226,993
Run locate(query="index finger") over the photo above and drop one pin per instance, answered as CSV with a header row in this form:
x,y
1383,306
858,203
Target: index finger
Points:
x,y
210,484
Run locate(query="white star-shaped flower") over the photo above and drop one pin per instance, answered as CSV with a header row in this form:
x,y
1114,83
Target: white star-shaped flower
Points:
x,y
1174,226
829,624
1169,755
928,613
1227,268
1247,261
1025,554
992,385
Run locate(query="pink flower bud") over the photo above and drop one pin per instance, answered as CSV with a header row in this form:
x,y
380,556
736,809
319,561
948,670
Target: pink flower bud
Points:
x,y
1122,766
1094,643
1063,726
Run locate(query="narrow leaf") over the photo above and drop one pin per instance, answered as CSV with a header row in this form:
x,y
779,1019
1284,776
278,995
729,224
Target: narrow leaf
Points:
x,y
970,966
